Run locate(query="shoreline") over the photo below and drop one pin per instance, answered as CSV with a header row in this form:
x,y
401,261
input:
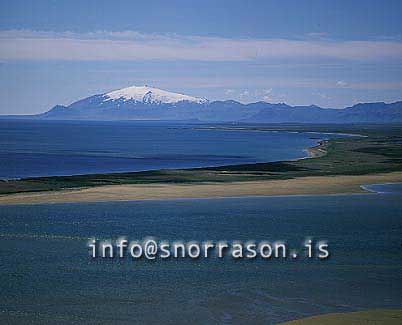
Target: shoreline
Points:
x,y
343,166
262,129
309,185
371,316
315,151
319,150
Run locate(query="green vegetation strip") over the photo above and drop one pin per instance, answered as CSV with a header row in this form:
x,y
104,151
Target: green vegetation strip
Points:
x,y
378,150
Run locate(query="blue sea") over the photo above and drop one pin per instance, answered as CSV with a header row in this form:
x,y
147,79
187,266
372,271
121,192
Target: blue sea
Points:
x,y
48,277
47,148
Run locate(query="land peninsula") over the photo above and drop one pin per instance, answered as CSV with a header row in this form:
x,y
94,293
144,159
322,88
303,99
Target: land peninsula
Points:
x,y
338,165
378,317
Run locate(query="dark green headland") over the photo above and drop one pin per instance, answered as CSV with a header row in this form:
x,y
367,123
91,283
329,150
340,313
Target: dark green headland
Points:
x,y
377,150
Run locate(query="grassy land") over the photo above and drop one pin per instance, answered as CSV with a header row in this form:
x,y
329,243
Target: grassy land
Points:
x,y
379,150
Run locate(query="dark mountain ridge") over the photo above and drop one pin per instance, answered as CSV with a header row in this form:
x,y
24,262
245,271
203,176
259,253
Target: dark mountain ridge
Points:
x,y
145,103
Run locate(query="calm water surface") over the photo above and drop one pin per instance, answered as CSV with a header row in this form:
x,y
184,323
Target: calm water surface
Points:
x,y
384,188
47,276
46,148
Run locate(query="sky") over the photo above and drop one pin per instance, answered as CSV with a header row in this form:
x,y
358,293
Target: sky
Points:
x,y
328,53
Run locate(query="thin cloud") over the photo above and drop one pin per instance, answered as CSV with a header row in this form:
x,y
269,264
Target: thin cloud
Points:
x,y
135,46
342,83
262,85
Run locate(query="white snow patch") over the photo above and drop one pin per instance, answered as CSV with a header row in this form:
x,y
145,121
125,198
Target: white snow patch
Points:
x,y
145,94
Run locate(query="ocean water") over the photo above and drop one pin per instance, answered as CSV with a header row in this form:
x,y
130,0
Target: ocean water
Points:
x,y
384,188
46,275
46,148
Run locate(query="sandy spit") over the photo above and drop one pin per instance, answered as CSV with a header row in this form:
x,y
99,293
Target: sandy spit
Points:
x,y
314,185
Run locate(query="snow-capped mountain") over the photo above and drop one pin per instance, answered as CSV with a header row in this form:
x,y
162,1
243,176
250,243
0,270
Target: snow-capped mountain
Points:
x,y
149,95
147,103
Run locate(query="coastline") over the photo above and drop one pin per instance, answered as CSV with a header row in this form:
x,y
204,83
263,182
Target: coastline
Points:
x,y
372,316
316,151
340,166
310,185
262,129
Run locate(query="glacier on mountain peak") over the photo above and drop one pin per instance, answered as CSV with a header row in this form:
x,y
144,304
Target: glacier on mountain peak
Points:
x,y
150,95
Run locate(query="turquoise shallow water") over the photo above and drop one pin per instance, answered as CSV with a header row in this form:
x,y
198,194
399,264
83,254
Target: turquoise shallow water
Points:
x,y
46,274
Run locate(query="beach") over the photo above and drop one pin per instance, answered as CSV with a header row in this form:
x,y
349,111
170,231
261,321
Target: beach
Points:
x,y
314,185
360,317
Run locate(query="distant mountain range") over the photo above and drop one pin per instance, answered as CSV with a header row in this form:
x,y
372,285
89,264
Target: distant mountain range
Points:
x,y
147,103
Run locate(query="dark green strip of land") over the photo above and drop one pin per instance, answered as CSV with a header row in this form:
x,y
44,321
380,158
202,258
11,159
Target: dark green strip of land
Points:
x,y
377,150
